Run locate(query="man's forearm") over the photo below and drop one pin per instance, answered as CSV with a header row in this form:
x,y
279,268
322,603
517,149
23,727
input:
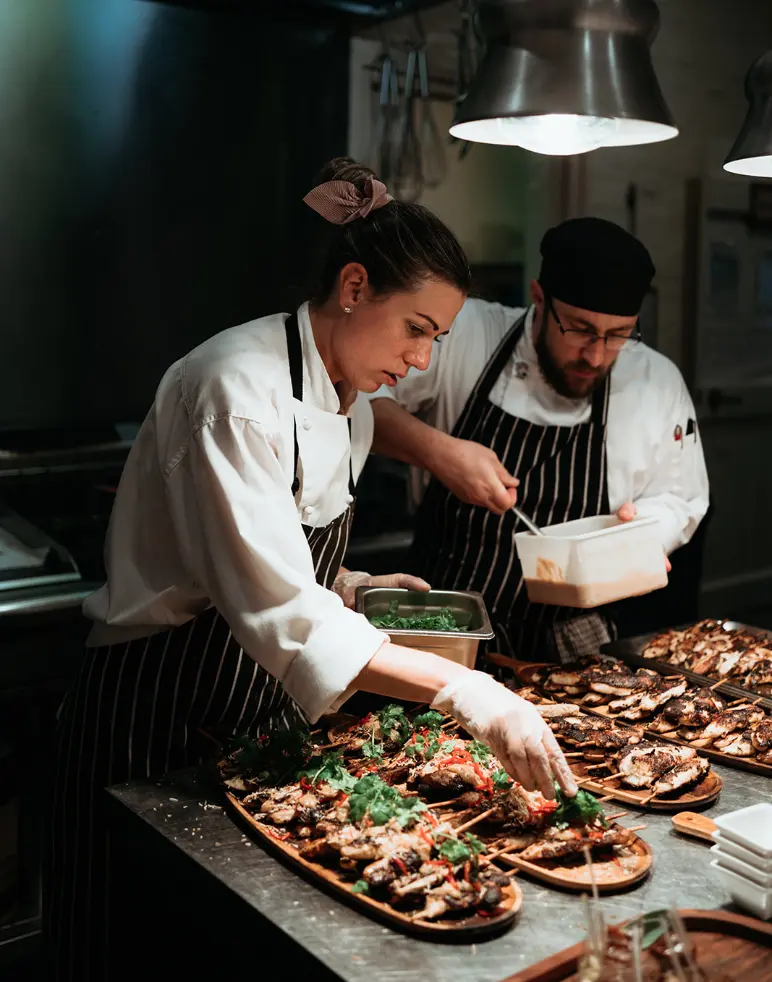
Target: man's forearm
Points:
x,y
403,437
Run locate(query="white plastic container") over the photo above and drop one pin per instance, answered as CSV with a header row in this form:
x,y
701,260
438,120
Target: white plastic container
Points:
x,y
749,827
745,893
592,561
753,873
729,848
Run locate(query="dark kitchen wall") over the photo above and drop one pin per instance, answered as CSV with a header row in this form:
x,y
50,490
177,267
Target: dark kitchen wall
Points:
x,y
152,165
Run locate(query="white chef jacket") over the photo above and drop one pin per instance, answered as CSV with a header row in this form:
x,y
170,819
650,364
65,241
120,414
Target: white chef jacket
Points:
x,y
651,458
204,513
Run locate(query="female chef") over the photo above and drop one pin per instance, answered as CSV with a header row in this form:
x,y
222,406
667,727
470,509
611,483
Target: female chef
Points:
x,y
223,606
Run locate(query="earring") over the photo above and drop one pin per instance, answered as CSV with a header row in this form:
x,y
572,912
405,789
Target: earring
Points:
x,y
347,310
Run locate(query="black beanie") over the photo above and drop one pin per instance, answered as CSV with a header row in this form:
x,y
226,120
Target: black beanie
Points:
x,y
596,265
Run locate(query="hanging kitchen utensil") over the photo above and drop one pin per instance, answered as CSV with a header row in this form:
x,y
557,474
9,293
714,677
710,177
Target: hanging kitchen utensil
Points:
x,y
432,148
408,181
468,55
383,150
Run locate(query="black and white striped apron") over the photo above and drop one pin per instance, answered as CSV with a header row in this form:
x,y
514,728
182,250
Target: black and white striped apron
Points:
x,y
562,472
137,711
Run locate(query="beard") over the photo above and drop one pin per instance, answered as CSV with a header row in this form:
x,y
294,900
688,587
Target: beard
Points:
x,y
555,375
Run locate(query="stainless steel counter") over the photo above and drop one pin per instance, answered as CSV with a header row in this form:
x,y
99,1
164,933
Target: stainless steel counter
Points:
x,y
346,945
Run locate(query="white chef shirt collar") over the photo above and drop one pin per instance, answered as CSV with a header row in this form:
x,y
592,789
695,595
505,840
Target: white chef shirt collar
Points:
x,y
318,389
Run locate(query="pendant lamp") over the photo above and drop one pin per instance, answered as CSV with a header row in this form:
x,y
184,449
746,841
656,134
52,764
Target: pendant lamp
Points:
x,y
566,77
752,150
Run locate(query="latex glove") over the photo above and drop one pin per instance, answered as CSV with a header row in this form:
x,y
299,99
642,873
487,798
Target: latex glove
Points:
x,y
627,513
512,728
345,584
475,474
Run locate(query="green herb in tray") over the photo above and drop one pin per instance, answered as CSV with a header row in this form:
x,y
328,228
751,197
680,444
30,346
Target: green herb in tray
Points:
x,y
443,620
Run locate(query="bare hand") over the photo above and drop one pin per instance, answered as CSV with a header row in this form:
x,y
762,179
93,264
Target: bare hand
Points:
x,y
346,584
475,475
627,513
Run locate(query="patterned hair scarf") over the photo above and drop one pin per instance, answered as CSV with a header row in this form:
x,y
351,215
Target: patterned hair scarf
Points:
x,y
341,202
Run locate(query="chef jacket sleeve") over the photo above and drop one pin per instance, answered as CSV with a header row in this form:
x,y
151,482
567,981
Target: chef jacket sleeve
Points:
x,y
243,543
676,488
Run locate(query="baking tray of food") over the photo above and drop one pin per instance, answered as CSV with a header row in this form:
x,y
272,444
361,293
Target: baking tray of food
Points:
x,y
724,946
401,816
733,732
722,653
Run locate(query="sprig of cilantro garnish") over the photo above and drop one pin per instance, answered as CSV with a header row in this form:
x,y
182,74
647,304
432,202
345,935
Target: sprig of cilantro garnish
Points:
x,y
377,800
501,780
392,718
458,851
427,746
331,769
581,810
430,720
361,886
273,758
480,752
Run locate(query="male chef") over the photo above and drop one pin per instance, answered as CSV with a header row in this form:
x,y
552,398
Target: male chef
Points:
x,y
559,407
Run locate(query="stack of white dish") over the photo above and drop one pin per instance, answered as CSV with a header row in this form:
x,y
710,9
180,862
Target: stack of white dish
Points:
x,y
743,857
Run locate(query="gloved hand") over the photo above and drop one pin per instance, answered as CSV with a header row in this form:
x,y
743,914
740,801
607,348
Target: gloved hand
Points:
x,y
512,728
346,583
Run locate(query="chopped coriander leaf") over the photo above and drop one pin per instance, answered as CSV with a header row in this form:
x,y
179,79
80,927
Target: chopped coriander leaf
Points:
x,y
474,843
392,718
459,850
361,886
430,720
274,758
376,799
501,780
443,620
426,746
455,851
480,752
581,810
331,769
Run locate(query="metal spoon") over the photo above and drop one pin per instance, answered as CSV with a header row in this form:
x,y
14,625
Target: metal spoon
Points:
x,y
531,526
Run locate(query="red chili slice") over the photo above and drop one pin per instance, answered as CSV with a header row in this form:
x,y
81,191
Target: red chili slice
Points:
x,y
400,865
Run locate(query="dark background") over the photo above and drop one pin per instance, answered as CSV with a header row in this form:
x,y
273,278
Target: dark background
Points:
x,y
152,168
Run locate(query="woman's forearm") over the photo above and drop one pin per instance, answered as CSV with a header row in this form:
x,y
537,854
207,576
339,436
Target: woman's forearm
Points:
x,y
405,673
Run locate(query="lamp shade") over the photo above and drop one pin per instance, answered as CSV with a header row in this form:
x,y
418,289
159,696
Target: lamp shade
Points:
x,y
565,77
752,150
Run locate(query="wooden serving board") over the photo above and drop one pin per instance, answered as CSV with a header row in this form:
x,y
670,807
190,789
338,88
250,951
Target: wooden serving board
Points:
x,y
468,929
571,873
697,826
630,651
697,796
728,760
524,674
719,937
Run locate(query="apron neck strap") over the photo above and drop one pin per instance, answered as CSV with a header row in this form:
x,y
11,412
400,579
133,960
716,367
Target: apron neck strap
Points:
x,y
295,358
500,358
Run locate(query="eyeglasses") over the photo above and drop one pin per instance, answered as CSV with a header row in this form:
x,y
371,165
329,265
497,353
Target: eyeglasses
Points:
x,y
578,338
